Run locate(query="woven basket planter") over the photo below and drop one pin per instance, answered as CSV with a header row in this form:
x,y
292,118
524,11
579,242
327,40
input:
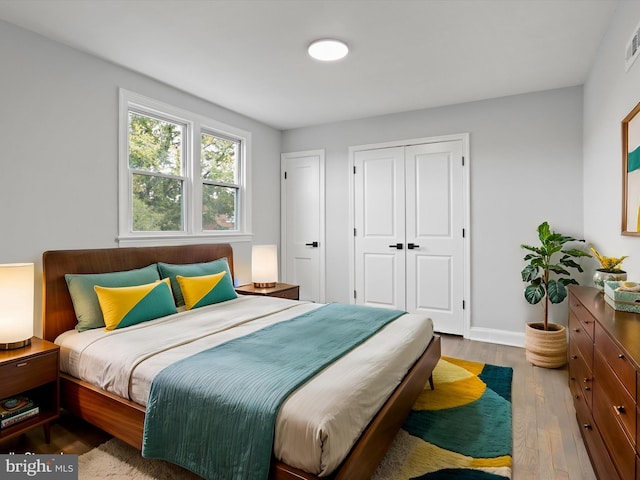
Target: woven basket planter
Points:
x,y
546,348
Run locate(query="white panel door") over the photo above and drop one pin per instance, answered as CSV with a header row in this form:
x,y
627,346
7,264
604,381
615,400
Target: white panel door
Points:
x,y
409,215
434,224
303,223
380,228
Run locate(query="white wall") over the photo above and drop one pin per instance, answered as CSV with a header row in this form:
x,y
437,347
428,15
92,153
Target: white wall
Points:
x,y
59,146
526,167
609,95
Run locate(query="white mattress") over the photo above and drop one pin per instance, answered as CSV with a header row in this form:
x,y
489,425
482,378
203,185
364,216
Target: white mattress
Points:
x,y
317,425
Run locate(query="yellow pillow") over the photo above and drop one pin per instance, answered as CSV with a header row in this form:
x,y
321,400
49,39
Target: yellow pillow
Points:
x,y
206,289
125,306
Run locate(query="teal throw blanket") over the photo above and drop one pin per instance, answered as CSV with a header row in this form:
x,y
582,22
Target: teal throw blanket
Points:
x,y
214,413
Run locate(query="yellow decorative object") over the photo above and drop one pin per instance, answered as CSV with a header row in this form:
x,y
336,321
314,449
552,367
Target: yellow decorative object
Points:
x,y
195,289
126,306
608,264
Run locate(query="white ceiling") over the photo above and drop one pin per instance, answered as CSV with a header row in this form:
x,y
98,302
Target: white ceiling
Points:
x,y
250,55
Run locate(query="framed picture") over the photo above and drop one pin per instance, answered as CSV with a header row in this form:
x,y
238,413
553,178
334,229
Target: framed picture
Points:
x,y
631,173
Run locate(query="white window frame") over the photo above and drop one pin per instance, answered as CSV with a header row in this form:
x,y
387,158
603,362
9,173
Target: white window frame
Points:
x,y
192,193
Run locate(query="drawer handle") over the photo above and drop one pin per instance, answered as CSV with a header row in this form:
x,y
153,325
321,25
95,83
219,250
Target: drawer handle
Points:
x,y
587,388
573,357
576,330
23,364
619,409
587,426
621,356
586,380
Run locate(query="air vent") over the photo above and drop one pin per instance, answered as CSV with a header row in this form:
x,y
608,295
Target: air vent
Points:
x,y
632,49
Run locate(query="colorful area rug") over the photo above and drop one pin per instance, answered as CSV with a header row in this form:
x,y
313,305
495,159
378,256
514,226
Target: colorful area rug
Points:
x,y
461,430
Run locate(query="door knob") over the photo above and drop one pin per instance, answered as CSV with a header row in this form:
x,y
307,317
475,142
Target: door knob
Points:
x,y
312,244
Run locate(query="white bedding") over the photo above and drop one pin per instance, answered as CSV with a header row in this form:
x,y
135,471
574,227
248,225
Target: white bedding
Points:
x,y
316,426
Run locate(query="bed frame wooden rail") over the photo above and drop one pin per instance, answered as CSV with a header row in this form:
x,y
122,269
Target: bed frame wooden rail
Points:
x,y
125,419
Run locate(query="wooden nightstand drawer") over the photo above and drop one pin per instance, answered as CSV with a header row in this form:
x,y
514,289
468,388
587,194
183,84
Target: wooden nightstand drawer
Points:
x,y
281,290
27,373
292,293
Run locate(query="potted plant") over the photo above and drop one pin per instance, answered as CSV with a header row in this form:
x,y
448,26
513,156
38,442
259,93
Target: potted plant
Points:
x,y
547,277
609,269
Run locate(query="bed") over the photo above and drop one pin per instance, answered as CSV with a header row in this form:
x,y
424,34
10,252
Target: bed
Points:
x,y
125,418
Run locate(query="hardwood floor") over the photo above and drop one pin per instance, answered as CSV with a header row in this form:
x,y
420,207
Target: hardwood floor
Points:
x,y
546,438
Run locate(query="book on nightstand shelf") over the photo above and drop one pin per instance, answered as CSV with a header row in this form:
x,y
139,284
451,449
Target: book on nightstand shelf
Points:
x,y
16,409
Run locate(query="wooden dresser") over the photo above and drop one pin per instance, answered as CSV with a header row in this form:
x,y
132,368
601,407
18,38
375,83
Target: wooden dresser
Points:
x,y
604,368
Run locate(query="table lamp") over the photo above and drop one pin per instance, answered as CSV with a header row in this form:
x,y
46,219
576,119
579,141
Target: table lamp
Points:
x,y
264,266
16,305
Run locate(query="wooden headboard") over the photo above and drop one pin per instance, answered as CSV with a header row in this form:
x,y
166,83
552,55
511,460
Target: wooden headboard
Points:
x,y
58,314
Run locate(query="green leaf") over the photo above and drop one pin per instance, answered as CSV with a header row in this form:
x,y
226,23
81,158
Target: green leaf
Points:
x,y
574,252
529,273
534,293
533,249
566,261
543,232
558,269
557,291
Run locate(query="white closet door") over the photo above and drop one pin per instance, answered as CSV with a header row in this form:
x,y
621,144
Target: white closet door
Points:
x,y
434,223
380,227
303,223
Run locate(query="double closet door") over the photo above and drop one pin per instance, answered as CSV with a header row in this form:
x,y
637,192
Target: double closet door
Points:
x,y
409,238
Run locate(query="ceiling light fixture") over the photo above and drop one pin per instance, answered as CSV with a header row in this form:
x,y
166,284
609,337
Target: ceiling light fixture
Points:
x,y
328,49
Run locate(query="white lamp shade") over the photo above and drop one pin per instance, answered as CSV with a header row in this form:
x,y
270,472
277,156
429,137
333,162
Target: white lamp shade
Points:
x,y
264,265
16,303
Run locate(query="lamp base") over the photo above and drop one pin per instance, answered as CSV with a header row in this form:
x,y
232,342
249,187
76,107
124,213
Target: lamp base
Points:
x,y
14,345
264,285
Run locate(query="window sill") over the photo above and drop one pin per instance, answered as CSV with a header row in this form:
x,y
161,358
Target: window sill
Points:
x,y
181,239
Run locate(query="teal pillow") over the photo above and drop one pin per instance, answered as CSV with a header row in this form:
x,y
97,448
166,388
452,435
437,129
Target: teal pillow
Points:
x,y
224,291
85,300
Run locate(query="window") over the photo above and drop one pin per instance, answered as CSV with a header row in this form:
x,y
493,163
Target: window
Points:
x,y
181,175
219,174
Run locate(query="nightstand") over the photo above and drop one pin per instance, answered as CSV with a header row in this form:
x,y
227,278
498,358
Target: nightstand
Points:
x,y
281,290
32,371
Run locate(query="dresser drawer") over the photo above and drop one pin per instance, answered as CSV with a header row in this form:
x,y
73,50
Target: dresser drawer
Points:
x,y
580,377
620,448
600,459
616,397
27,373
578,337
616,360
582,315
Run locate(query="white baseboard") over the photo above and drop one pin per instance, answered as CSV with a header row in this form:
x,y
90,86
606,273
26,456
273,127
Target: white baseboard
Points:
x,y
502,337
